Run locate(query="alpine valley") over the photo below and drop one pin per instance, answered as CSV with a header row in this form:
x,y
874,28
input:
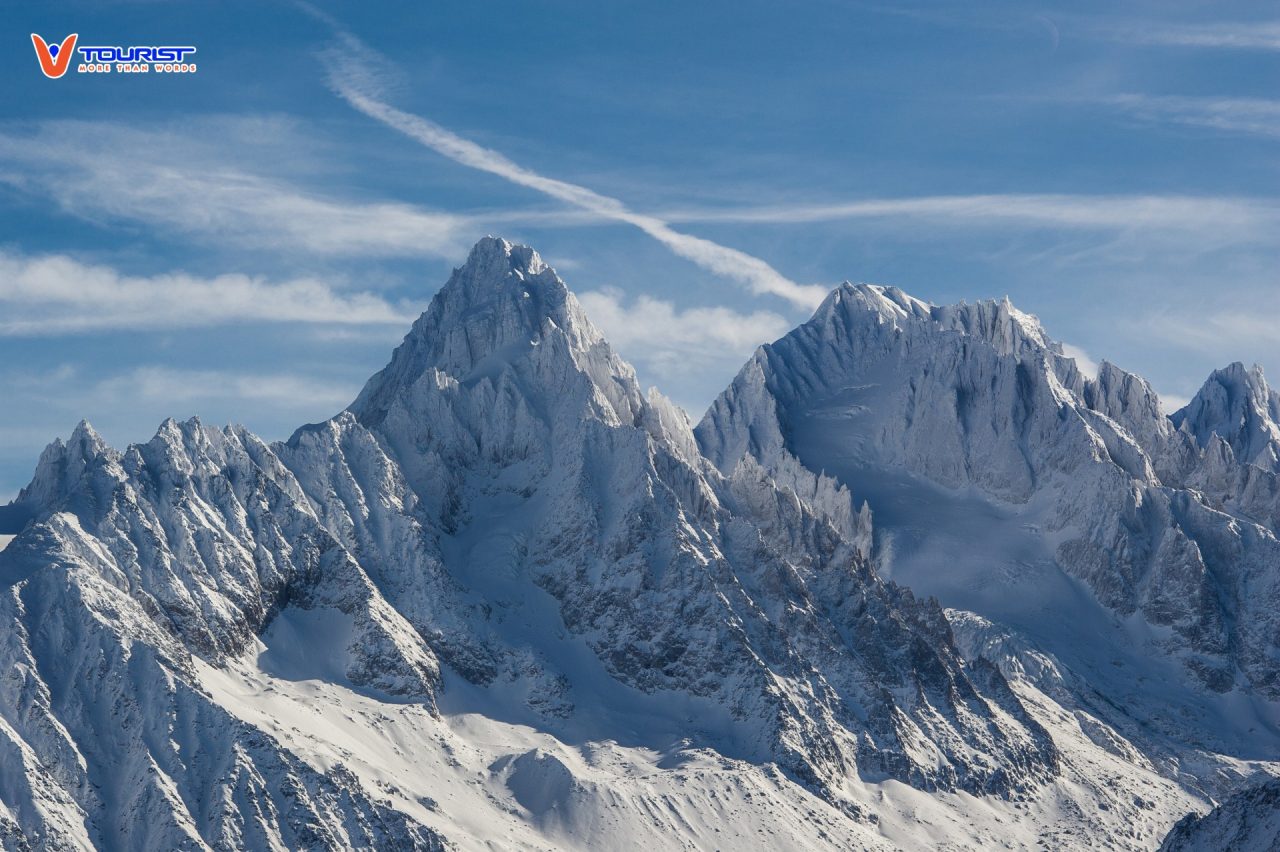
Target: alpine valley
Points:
x,y
915,581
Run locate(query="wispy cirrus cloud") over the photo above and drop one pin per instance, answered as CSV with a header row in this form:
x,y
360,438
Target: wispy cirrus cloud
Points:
x,y
74,390
1207,330
57,294
356,75
1239,216
1239,35
1254,116
287,391
165,178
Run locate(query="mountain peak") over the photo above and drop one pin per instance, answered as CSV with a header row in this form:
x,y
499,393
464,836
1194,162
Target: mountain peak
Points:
x,y
997,321
84,434
61,465
496,272
494,259
889,302
500,280
1237,405
503,306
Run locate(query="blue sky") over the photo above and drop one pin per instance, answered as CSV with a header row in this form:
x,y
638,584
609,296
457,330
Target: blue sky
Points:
x,y
249,242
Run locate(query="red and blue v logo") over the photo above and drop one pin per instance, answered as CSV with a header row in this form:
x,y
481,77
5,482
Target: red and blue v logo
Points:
x,y
55,59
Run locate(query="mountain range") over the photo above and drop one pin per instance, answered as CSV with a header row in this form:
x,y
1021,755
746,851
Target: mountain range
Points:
x,y
915,580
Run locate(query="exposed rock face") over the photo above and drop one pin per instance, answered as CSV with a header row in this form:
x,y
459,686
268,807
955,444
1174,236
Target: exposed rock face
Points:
x,y
1248,821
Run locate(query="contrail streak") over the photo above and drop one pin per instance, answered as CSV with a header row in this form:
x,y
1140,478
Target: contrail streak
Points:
x,y
353,77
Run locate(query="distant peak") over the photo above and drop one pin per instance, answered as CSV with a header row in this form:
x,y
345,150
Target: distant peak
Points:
x,y
87,438
179,431
1248,383
1236,404
62,464
1252,377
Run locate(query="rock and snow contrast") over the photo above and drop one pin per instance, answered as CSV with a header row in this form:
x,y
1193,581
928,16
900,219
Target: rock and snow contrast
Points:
x,y
913,582
1248,821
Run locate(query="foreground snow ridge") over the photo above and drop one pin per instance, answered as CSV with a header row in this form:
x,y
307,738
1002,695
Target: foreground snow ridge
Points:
x,y
507,599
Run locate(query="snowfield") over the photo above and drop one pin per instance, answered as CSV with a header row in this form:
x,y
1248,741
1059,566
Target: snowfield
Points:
x,y
481,781
913,582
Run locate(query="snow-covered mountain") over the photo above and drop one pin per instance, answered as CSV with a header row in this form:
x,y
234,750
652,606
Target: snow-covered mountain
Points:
x,y
1139,550
134,569
506,597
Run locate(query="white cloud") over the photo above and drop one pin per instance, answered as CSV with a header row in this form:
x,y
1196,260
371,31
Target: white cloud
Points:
x,y
1243,35
169,179
667,340
55,294
1221,218
168,386
1084,363
1212,330
1257,116
356,75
